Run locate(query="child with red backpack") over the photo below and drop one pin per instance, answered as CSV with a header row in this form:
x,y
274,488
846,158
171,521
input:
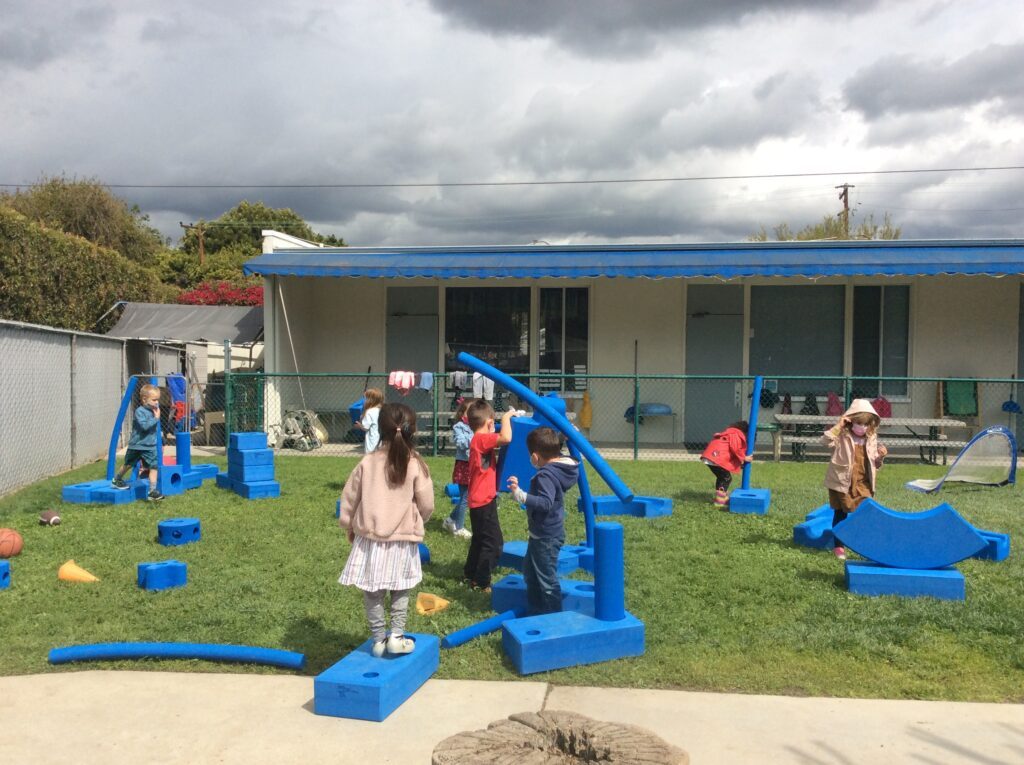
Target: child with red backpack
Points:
x,y
726,455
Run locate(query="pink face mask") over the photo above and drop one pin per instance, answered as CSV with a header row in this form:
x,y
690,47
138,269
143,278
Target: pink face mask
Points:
x,y
859,430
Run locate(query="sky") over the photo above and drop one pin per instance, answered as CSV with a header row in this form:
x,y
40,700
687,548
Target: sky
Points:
x,y
390,93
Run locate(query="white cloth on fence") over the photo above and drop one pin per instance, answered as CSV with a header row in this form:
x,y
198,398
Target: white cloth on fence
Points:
x,y
483,387
459,379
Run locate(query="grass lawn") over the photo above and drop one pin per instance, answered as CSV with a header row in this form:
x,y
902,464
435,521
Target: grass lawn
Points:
x,y
730,603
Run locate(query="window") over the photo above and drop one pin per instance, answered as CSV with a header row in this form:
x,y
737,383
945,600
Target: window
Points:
x,y
797,330
563,336
881,327
492,323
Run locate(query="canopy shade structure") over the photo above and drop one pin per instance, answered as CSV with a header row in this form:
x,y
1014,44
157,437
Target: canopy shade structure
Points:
x,y
190,323
807,259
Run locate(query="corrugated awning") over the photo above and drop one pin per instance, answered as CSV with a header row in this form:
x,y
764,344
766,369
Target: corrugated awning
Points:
x,y
209,323
809,259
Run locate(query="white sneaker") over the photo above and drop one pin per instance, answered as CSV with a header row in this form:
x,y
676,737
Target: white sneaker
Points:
x,y
400,644
378,648
463,533
449,526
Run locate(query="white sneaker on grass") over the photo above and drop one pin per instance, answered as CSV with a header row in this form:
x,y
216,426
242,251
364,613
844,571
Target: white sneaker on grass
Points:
x,y
449,525
463,533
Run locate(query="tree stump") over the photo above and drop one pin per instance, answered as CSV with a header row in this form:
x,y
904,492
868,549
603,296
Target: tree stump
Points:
x,y
556,738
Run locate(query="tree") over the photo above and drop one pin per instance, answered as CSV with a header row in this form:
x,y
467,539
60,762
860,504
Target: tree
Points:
x,y
831,227
88,209
242,226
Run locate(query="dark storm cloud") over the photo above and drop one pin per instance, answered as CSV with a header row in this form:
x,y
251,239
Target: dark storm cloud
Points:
x,y
902,84
615,27
30,38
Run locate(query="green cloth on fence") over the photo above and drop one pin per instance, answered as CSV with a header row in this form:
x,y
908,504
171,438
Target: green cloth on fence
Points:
x,y
961,398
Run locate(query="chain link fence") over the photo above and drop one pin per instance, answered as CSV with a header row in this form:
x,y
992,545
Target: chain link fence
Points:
x,y
644,417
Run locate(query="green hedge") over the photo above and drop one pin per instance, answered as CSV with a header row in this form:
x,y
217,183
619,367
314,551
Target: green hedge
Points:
x,y
48,277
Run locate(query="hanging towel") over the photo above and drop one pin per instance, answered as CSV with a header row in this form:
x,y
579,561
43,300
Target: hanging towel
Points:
x,y
426,381
483,387
459,379
402,381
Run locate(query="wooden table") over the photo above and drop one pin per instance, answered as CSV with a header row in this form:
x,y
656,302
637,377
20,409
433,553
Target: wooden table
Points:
x,y
802,429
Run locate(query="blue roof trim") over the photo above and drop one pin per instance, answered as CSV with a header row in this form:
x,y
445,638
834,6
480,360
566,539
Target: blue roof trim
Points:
x,y
810,259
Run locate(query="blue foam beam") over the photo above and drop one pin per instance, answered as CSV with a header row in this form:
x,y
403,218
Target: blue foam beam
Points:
x,y
755,403
459,637
245,654
586,500
867,578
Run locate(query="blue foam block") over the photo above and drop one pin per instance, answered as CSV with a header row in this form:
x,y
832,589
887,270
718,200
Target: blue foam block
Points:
x,y
816,530
102,491
205,469
178,531
251,457
363,687
935,538
246,441
750,501
569,638
998,547
509,594
867,578
191,480
514,459
514,553
250,473
5,574
169,480
641,507
258,489
224,481
162,575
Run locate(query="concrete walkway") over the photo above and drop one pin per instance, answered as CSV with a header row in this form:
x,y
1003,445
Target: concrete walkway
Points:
x,y
111,717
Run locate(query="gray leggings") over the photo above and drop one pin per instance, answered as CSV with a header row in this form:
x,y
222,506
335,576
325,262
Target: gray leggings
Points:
x,y
374,604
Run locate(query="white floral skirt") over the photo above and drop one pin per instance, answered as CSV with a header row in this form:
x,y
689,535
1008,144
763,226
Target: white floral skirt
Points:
x,y
374,566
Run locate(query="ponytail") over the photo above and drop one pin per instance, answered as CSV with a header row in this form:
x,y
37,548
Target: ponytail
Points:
x,y
397,425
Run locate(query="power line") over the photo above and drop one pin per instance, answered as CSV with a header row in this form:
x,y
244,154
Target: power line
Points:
x,y
590,182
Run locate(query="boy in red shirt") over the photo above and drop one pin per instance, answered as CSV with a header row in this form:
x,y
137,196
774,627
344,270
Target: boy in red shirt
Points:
x,y
725,455
485,546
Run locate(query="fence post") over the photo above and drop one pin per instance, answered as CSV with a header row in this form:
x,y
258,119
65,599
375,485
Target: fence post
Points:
x,y
437,382
636,418
71,408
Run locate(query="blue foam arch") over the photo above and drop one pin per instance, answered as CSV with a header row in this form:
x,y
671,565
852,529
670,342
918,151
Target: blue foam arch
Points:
x,y
935,538
246,654
619,489
115,435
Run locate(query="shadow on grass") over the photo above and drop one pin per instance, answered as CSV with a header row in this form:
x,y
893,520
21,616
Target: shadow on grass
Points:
x,y
836,580
784,543
337,486
322,647
697,497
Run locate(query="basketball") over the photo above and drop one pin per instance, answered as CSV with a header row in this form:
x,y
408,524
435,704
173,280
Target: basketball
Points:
x,y
10,543
49,518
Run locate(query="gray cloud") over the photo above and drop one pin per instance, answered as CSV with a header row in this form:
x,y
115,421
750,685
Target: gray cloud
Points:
x,y
900,84
30,38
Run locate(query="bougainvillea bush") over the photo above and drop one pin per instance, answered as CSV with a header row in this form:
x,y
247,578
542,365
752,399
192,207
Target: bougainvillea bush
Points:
x,y
223,293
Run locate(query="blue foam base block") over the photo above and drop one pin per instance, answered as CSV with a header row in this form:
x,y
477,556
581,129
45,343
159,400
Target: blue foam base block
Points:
x,y
251,457
5,574
569,638
250,473
509,594
867,578
641,507
169,480
514,553
363,687
205,469
750,501
246,441
162,575
998,547
178,531
253,490
191,480
816,530
102,492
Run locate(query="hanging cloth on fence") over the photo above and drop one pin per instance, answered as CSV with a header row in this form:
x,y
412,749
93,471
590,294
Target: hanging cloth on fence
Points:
x,y
460,379
834,407
810,404
426,381
403,382
787,404
882,406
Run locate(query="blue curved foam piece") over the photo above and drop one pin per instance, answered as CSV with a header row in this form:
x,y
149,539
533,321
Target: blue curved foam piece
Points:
x,y
115,434
935,538
245,654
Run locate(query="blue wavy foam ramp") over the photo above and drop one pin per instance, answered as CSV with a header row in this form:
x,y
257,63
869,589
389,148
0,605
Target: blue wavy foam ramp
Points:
x,y
933,539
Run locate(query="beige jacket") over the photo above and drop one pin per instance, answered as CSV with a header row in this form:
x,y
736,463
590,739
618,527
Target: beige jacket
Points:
x,y
840,441
374,510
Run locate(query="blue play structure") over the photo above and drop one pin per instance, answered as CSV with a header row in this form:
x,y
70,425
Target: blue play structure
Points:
x,y
250,471
162,575
744,499
178,531
171,479
244,654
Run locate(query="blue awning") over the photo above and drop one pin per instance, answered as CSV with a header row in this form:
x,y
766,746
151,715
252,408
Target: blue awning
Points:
x,y
808,259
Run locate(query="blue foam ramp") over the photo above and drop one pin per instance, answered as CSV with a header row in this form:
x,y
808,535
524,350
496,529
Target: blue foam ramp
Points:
x,y
816,530
935,538
569,638
750,501
251,457
867,578
246,440
250,473
640,507
997,547
5,574
178,531
514,553
363,687
162,575
509,594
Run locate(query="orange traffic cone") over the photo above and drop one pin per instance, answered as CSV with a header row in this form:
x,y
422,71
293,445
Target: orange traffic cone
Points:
x,y
427,604
72,572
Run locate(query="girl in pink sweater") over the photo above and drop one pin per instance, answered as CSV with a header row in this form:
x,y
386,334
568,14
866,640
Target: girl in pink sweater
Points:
x,y
386,501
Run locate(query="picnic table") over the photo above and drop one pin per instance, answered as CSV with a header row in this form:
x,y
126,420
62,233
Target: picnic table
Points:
x,y
923,432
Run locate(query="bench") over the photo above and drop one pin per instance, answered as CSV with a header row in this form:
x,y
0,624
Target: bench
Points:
x,y
930,445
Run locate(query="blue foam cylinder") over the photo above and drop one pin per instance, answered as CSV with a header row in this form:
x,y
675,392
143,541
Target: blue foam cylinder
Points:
x,y
183,450
5,574
755,403
245,654
466,634
609,573
557,420
178,531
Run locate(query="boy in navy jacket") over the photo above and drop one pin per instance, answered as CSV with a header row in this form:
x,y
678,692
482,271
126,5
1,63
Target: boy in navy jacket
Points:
x,y
545,513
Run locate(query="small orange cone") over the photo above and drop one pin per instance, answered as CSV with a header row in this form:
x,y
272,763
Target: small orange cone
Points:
x,y
72,572
427,604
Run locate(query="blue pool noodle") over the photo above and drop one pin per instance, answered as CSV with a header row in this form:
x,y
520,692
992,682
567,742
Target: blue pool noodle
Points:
x,y
466,634
755,403
585,498
619,489
208,651
609,573
115,436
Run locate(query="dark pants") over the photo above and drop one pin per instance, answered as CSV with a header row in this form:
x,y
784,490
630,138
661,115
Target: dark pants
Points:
x,y
722,477
485,546
540,571
837,517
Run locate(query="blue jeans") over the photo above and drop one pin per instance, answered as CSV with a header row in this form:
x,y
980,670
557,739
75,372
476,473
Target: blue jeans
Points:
x,y
540,571
458,515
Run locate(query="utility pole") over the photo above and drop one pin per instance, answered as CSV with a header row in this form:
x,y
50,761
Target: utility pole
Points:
x,y
844,195
198,228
